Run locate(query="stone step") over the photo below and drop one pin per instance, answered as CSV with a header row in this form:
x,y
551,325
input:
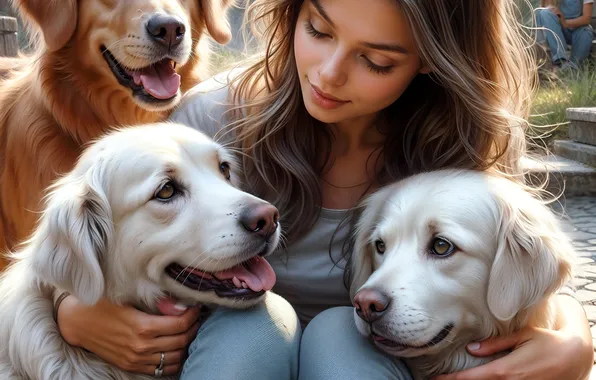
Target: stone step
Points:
x,y
565,176
582,125
583,153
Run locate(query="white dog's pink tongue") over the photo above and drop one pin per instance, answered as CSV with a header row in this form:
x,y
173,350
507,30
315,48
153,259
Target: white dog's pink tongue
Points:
x,y
258,276
168,306
160,80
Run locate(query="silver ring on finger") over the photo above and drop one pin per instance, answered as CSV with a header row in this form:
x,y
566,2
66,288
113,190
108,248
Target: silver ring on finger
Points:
x,y
159,369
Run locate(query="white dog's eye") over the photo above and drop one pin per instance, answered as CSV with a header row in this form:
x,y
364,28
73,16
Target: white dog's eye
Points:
x,y
442,247
224,168
166,192
380,246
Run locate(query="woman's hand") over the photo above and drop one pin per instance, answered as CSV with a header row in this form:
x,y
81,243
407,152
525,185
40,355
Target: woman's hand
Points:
x,y
128,338
541,354
559,14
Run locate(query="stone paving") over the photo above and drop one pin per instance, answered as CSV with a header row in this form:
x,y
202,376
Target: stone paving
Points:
x,y
580,215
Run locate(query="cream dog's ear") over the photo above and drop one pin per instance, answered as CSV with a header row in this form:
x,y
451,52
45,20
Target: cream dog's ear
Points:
x,y
534,257
214,13
57,19
361,260
74,234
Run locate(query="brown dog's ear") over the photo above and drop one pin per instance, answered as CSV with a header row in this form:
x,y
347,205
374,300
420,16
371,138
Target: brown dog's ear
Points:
x,y
57,19
214,12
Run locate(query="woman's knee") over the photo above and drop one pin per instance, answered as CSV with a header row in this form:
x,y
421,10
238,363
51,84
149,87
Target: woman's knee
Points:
x,y
262,342
544,14
332,348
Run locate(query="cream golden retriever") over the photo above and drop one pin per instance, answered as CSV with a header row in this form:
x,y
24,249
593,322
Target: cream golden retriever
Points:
x,y
147,212
449,257
101,64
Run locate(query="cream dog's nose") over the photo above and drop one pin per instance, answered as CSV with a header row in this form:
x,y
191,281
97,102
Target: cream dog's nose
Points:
x,y
261,218
370,304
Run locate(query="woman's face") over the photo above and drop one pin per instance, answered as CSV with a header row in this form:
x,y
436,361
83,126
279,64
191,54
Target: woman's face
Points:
x,y
354,57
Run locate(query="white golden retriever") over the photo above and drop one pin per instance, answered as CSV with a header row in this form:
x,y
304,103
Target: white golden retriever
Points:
x,y
445,258
147,212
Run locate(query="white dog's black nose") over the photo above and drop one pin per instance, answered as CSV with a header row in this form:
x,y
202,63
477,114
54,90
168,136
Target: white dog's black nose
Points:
x,y
261,218
167,30
370,304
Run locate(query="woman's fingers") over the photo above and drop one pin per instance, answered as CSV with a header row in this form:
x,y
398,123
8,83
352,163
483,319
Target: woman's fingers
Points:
x,y
168,370
147,347
170,358
166,325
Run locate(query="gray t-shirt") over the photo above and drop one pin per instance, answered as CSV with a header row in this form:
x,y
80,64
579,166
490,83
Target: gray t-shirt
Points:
x,y
310,272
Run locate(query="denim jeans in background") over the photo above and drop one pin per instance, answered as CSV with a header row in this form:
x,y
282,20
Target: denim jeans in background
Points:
x,y
558,37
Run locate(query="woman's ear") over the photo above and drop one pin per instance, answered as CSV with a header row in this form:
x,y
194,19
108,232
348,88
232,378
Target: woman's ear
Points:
x,y
425,69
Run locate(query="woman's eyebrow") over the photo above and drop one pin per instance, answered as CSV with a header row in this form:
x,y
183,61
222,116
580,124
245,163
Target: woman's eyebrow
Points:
x,y
393,48
322,12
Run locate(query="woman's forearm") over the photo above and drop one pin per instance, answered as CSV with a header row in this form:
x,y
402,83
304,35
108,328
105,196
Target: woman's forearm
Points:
x,y
572,320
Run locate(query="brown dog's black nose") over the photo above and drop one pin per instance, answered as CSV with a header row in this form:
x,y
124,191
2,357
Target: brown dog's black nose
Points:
x,y
167,30
260,218
370,304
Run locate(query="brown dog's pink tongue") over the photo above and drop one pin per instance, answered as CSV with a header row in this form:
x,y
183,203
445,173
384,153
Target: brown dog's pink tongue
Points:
x,y
259,275
160,80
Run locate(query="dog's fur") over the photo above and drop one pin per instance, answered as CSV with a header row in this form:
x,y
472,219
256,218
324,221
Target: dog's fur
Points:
x,y
103,233
53,102
510,258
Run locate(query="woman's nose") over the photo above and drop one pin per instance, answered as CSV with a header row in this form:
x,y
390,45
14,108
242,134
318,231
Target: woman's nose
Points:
x,y
333,71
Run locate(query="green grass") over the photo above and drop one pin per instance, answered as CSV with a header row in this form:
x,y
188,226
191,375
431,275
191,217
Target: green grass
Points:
x,y
225,59
555,95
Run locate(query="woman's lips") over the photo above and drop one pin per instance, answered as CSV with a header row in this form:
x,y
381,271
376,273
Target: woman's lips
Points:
x,y
325,100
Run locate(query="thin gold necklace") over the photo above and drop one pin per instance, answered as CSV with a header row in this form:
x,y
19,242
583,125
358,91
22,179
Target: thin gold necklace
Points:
x,y
347,187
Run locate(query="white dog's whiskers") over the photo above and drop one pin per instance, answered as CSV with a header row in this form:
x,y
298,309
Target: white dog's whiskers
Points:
x,y
192,265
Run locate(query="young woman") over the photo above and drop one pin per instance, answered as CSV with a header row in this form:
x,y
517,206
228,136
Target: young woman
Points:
x,y
349,96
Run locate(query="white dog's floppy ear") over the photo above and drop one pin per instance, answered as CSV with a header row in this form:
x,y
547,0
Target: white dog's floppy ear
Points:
x,y
361,264
214,13
74,234
533,259
56,19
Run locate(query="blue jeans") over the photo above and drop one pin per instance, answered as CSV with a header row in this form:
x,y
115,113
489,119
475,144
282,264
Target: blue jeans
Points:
x,y
558,37
267,343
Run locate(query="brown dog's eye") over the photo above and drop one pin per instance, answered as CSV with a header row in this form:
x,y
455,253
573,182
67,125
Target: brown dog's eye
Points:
x,y
442,247
166,192
224,168
380,246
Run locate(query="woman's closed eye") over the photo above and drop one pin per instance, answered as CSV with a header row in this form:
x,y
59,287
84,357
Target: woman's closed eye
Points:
x,y
377,69
310,29
373,67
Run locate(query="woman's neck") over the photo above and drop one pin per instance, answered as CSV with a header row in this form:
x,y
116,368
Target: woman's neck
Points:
x,y
356,135
355,160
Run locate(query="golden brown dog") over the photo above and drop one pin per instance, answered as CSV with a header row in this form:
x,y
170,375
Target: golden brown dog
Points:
x,y
100,64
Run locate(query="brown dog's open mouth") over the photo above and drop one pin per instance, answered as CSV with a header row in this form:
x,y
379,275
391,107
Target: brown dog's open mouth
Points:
x,y
249,279
156,83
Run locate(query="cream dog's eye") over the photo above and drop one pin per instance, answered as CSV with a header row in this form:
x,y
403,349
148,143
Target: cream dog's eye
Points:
x,y
166,192
380,246
224,168
442,247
